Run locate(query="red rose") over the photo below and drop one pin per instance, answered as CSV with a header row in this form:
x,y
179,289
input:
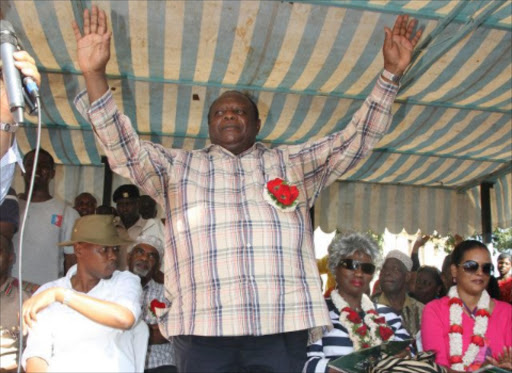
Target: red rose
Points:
x,y
273,185
455,301
155,303
346,309
456,329
362,330
380,320
294,193
283,195
373,312
479,341
365,345
354,317
483,313
385,332
455,359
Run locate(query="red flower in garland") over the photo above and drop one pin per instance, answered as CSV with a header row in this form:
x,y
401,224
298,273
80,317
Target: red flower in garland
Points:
x,y
380,320
282,193
455,301
362,330
373,312
155,303
483,312
456,329
479,341
385,332
456,359
365,345
354,317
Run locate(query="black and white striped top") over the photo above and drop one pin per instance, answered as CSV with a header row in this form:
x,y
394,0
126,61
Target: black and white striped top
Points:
x,y
336,342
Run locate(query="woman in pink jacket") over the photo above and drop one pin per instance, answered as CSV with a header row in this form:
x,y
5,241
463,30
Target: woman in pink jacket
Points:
x,y
467,329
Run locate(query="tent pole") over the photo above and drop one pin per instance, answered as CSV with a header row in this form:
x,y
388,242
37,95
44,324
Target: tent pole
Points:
x,y
107,182
485,203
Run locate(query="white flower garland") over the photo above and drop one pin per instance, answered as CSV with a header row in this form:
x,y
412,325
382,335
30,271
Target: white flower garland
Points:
x,y
457,361
363,333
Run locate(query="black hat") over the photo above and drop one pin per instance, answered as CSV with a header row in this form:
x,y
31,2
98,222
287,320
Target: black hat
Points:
x,y
126,191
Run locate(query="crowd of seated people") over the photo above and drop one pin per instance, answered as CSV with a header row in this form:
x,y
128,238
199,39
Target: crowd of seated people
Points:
x,y
352,261
93,239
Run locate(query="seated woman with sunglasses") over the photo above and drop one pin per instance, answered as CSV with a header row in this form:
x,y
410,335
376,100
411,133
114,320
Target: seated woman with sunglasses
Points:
x,y
358,322
468,329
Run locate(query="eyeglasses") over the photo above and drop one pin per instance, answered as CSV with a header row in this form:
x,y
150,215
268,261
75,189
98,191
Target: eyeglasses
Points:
x,y
354,265
470,266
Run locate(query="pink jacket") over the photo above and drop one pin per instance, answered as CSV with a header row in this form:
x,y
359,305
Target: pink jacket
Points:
x,y
435,324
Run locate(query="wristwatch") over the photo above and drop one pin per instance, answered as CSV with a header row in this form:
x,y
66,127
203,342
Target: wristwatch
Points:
x,y
390,76
8,127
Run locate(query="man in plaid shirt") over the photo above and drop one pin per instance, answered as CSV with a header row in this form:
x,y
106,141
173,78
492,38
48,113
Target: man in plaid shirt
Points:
x,y
240,267
144,260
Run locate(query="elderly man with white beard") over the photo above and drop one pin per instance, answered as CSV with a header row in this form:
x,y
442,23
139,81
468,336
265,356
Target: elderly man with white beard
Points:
x,y
144,260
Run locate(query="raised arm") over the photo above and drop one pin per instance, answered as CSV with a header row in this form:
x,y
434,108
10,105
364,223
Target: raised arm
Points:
x,y
93,51
399,44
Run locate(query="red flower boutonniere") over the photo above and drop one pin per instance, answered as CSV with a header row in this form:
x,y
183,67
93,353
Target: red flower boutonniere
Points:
x,y
155,303
281,195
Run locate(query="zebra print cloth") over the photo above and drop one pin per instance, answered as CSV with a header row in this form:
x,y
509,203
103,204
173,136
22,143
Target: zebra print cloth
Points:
x,y
423,362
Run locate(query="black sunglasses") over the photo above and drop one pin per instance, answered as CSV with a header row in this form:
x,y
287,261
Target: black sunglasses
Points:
x,y
354,265
470,266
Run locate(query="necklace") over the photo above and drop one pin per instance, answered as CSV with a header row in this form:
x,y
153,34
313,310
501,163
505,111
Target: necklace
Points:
x,y
481,316
371,330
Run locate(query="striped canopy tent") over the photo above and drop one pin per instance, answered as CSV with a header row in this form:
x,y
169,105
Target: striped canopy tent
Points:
x,y
309,65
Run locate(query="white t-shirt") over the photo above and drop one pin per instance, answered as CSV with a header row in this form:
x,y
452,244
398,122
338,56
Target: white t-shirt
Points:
x,y
70,342
48,223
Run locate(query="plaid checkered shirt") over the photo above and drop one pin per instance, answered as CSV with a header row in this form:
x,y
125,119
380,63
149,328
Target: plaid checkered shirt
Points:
x,y
234,264
160,354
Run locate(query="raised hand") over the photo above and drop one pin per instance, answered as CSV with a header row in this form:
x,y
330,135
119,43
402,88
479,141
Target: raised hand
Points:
x,y
398,44
93,47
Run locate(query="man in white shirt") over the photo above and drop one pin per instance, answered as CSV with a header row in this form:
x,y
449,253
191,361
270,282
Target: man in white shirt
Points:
x,y
85,320
144,260
129,223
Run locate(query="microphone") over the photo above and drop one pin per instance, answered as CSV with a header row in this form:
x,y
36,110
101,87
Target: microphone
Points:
x,y
19,91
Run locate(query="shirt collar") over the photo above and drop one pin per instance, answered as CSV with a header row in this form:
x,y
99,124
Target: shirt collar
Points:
x,y
218,150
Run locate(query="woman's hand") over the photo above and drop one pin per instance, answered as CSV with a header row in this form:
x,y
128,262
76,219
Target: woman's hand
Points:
x,y
503,360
